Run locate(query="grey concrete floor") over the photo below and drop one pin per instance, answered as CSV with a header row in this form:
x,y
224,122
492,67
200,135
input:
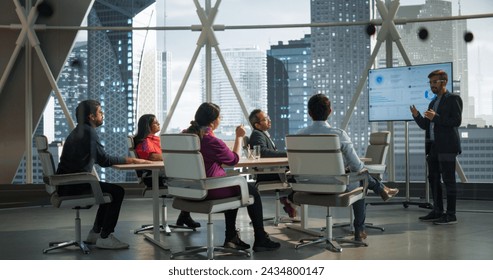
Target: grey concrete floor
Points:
x,y
25,232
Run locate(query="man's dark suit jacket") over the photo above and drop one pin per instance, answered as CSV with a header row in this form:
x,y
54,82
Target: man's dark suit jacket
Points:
x,y
447,121
267,149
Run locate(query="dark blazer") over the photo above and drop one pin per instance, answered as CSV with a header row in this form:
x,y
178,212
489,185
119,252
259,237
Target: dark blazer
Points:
x,y
447,120
267,149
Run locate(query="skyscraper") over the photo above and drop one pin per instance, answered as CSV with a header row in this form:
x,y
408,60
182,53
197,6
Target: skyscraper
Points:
x,y
110,74
153,93
73,86
153,76
248,69
339,55
289,86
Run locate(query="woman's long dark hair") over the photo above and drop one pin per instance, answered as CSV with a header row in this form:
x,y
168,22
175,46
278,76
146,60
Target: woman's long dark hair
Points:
x,y
143,128
205,115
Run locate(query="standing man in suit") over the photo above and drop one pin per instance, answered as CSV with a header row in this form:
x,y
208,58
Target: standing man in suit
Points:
x,y
442,144
261,123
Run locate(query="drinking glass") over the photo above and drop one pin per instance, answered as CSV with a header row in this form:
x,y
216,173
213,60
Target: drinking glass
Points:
x,y
256,151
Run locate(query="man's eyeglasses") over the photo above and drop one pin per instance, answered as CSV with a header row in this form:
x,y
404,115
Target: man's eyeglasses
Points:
x,y
266,119
435,82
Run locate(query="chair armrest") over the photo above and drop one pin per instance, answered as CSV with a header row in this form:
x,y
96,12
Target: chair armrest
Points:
x,y
376,168
361,176
344,179
322,179
197,189
228,181
79,178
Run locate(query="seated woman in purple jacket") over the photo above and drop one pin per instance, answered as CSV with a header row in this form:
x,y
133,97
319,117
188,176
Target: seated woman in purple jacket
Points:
x,y
216,153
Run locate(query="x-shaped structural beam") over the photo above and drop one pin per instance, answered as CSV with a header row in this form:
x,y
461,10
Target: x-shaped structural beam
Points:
x,y
27,21
28,32
388,28
207,38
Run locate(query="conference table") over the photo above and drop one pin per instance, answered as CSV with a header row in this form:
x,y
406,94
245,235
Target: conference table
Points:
x,y
247,166
155,167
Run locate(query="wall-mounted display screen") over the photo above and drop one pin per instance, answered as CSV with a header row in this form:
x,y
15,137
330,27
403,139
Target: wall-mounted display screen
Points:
x,y
392,90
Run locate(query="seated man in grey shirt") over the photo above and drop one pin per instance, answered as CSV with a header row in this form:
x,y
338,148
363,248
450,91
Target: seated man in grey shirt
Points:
x,y
319,109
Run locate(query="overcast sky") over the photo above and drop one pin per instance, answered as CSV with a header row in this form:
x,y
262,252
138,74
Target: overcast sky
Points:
x,y
257,12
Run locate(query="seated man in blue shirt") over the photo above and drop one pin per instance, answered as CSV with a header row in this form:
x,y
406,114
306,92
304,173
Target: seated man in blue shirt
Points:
x,y
319,110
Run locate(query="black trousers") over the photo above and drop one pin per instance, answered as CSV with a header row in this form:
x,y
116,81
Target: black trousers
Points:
x,y
108,213
442,167
255,212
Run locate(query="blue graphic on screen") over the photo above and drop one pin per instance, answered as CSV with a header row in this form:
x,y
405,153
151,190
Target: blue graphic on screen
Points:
x,y
429,95
391,91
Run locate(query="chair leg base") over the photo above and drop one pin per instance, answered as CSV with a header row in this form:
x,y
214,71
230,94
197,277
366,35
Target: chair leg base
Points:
x,y
367,225
210,251
167,229
281,220
58,245
370,225
331,244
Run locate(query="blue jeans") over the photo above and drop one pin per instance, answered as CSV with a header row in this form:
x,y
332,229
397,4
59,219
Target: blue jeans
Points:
x,y
359,210
375,185
359,207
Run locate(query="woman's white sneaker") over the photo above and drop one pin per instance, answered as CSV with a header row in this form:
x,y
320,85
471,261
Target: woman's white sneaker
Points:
x,y
111,242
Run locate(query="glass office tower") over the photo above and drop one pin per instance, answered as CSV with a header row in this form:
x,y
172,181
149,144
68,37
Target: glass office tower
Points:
x,y
248,69
339,56
289,86
110,78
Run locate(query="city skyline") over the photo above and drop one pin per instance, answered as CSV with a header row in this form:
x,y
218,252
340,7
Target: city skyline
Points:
x,y
183,13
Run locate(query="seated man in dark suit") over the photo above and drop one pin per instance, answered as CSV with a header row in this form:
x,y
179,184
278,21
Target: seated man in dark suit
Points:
x,y
261,123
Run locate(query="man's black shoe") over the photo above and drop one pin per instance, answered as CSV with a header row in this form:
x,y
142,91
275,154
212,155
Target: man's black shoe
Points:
x,y
431,217
446,219
265,244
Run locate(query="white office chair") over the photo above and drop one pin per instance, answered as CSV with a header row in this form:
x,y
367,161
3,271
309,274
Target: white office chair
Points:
x,y
317,165
377,150
188,184
75,202
145,179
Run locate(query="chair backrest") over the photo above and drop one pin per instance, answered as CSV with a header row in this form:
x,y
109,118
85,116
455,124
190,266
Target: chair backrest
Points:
x,y
46,160
131,146
246,142
315,160
246,146
182,157
378,147
132,153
